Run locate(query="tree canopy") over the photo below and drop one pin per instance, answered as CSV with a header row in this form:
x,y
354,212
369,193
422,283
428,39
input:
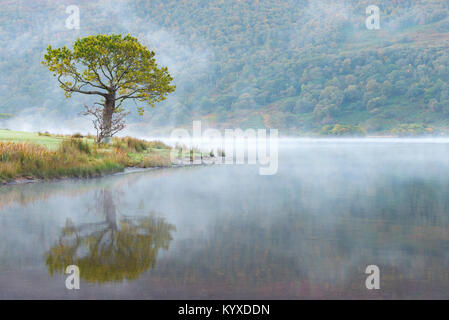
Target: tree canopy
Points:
x,y
111,66
258,63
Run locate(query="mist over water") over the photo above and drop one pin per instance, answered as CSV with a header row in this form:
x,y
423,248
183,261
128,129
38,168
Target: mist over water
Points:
x,y
224,231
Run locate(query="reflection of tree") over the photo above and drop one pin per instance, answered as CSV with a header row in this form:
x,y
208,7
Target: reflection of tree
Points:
x,y
113,249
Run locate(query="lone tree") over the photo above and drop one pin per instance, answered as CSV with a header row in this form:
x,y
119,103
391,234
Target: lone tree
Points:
x,y
117,69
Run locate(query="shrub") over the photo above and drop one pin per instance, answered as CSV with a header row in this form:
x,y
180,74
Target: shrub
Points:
x,y
342,130
412,129
77,135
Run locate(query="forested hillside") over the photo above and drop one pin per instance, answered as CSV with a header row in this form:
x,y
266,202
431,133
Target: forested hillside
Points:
x,y
300,66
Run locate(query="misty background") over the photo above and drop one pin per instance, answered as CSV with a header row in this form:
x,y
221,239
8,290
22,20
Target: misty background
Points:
x,y
304,67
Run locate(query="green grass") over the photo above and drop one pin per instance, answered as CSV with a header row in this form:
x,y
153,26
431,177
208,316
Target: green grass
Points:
x,y
51,142
44,156
73,158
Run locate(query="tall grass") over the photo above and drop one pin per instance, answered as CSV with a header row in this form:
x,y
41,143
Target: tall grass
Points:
x,y
78,156
154,160
74,158
75,145
129,144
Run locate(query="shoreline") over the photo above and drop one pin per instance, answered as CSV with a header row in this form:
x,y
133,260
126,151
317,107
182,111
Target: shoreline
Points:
x,y
32,158
126,170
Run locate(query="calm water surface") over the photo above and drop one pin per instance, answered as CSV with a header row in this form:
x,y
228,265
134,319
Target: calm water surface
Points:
x,y
210,232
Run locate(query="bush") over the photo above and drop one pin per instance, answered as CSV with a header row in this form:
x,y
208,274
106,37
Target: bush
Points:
x,y
342,130
412,129
77,135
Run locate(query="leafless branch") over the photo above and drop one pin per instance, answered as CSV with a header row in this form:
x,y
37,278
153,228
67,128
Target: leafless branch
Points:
x,y
117,123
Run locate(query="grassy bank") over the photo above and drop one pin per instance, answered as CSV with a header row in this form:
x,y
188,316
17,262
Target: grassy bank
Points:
x,y
47,156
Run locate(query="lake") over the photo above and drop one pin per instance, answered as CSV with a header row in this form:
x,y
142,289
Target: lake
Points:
x,y
225,232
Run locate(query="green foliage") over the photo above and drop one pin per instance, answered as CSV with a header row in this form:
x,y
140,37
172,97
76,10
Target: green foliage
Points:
x,y
47,140
114,67
73,158
54,156
111,64
326,64
342,130
77,135
275,58
413,129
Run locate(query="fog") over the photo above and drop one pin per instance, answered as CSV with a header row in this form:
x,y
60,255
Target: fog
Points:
x,y
40,104
44,25
308,231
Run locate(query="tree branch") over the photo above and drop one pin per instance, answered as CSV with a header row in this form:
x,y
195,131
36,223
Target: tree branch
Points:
x,y
74,89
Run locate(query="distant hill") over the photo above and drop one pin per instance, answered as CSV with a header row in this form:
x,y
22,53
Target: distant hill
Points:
x,y
300,66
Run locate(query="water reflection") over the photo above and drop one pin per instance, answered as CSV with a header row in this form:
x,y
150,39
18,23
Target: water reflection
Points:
x,y
307,232
114,249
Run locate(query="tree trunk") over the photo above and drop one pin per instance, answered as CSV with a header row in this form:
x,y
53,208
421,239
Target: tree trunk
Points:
x,y
108,112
